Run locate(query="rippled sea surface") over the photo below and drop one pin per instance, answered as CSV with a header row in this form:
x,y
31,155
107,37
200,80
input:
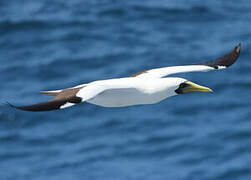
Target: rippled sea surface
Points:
x,y
49,44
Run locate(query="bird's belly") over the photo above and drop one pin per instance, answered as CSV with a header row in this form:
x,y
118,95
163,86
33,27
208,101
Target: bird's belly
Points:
x,y
124,97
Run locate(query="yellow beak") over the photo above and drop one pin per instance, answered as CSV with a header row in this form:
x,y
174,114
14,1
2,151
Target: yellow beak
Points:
x,y
195,88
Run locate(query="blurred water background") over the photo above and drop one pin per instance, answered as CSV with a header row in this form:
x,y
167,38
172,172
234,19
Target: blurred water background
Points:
x,y
51,44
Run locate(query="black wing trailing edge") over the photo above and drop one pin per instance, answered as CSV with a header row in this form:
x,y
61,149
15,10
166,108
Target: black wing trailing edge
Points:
x,y
45,106
225,61
63,99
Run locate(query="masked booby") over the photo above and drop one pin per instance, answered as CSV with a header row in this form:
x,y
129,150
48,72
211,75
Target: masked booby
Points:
x,y
146,87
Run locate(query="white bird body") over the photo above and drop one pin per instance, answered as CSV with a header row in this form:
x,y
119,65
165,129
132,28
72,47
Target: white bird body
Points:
x,y
130,91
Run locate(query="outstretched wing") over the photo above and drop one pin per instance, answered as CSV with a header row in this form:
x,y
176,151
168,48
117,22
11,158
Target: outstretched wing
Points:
x,y
64,98
220,63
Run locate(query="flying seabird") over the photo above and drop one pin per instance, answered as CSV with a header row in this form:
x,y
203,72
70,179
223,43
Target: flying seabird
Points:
x,y
146,87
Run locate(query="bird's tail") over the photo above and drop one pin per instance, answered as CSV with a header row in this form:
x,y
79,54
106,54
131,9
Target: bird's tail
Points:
x,y
56,92
51,93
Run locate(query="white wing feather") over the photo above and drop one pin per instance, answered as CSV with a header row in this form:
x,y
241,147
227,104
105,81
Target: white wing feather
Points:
x,y
162,72
219,63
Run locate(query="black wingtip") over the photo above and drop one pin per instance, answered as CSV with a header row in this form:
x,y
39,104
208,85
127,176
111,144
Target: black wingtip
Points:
x,y
226,60
35,107
17,107
9,104
47,106
238,48
231,57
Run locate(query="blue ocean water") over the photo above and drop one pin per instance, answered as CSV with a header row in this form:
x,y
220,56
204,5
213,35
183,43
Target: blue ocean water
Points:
x,y
50,44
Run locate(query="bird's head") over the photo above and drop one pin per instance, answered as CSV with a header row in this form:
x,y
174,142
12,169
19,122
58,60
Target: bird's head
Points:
x,y
185,86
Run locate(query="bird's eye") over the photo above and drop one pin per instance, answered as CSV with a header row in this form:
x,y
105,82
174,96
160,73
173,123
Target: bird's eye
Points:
x,y
183,85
